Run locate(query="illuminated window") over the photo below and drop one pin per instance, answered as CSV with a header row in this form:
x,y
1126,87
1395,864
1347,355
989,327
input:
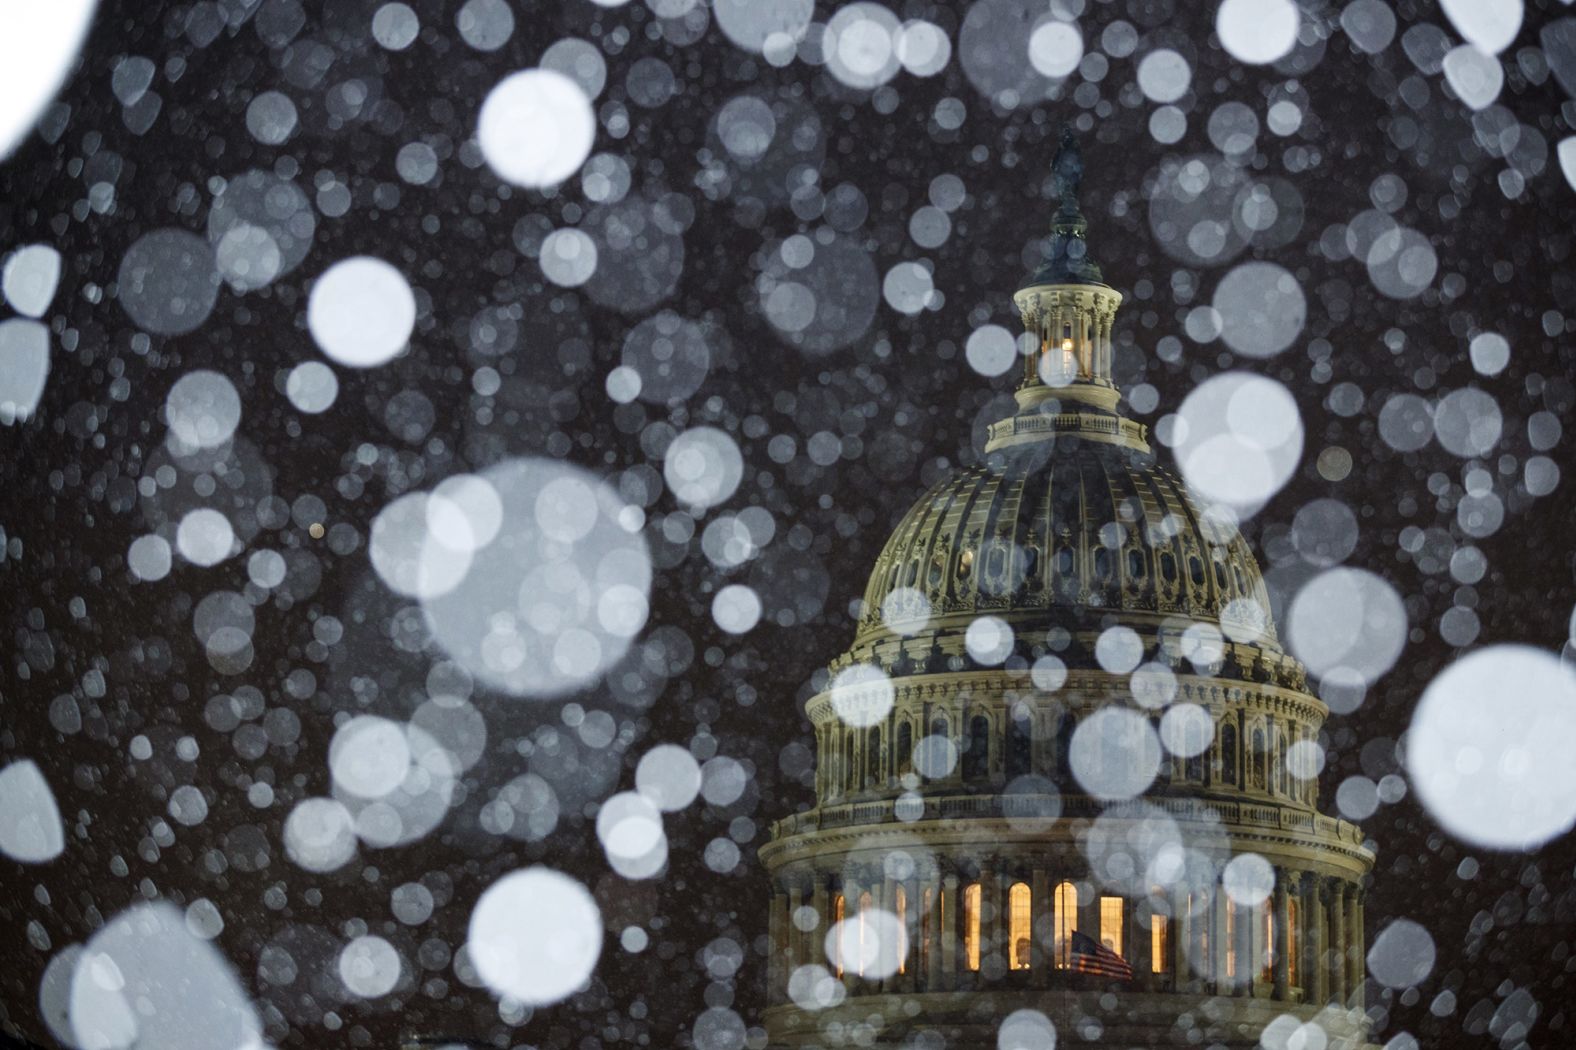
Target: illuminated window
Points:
x,y
1111,923
926,917
838,911
1159,943
1231,938
900,906
1065,901
1018,901
971,925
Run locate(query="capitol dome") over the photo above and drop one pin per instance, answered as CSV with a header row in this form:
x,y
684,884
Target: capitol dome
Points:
x,y
1069,532
1065,769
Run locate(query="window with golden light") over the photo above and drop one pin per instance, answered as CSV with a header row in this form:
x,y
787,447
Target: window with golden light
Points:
x,y
1111,924
1019,934
1065,903
1231,938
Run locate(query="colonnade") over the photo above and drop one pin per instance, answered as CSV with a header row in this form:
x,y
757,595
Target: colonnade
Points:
x,y
1074,333
1000,920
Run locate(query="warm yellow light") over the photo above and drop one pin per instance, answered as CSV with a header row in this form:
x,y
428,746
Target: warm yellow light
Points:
x,y
1067,346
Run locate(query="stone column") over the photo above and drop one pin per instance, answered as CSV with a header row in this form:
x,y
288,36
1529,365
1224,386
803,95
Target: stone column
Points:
x,y
776,977
1360,965
992,906
933,932
1336,959
1354,947
1219,941
1281,945
1106,355
1081,348
1242,933
815,940
908,973
1197,937
1142,942
795,953
1252,963
888,955
1042,927
1088,909
1315,980
1177,940
1033,323
951,905
851,894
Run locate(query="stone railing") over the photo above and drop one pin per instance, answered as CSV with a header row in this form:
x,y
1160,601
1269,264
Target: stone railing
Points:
x,y
1073,807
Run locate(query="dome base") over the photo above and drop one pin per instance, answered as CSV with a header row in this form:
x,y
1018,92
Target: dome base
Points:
x,y
1105,1016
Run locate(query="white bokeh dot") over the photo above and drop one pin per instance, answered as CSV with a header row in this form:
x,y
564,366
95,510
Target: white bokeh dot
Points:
x,y
536,128
361,312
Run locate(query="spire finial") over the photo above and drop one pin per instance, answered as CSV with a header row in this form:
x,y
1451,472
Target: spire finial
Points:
x,y
1068,169
1066,259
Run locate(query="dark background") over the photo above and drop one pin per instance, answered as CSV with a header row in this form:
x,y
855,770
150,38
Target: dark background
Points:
x,y
905,405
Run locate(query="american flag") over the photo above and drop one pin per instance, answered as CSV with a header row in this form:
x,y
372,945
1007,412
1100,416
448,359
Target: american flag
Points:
x,y
1090,956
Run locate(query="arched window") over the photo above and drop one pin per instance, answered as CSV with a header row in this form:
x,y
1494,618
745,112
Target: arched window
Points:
x,y
1111,924
1102,563
905,748
1064,563
927,916
1198,905
1159,942
996,563
971,925
1195,569
976,756
873,756
1019,934
1020,744
1228,754
1135,565
1064,903
1168,567
1258,758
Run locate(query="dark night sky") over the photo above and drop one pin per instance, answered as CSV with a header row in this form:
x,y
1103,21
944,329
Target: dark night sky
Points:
x,y
899,395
